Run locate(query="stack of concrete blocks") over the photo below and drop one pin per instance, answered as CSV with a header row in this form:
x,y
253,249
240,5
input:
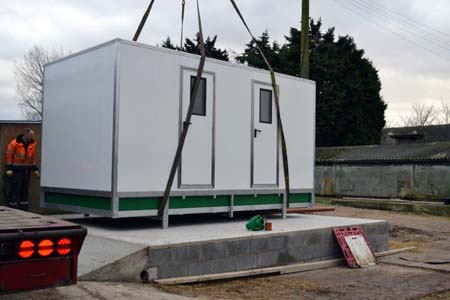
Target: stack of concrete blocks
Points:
x,y
267,250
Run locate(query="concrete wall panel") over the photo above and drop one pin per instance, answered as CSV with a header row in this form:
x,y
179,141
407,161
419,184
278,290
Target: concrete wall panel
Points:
x,y
408,181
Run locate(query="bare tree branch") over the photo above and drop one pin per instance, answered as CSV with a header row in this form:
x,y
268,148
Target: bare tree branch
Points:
x,y
29,75
421,115
390,123
445,112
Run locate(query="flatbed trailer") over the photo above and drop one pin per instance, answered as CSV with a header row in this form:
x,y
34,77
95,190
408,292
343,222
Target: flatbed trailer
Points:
x,y
37,251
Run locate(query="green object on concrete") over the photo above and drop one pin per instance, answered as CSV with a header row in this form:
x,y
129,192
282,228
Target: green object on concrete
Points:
x,y
256,223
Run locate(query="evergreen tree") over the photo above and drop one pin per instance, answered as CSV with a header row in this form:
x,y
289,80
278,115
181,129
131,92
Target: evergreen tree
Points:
x,y
349,108
253,57
193,46
168,44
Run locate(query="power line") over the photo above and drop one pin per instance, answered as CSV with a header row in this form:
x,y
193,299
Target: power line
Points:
x,y
438,42
374,3
408,23
391,31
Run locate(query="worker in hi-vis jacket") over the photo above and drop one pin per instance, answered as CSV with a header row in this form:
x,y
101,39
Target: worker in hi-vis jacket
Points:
x,y
20,163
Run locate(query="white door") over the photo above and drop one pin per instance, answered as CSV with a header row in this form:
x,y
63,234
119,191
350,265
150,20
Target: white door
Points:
x,y
197,159
264,137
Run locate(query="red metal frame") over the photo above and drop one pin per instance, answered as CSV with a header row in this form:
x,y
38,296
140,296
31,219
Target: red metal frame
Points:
x,y
340,234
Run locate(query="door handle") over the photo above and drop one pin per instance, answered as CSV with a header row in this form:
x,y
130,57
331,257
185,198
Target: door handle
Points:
x,y
256,132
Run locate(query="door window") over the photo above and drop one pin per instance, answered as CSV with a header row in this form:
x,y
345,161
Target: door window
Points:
x,y
200,102
265,106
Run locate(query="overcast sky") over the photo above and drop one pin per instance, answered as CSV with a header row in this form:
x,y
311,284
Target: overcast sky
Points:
x,y
409,73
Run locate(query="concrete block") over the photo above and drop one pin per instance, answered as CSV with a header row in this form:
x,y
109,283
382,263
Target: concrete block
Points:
x,y
237,247
213,250
200,268
224,265
296,239
284,257
267,259
296,253
383,228
161,257
313,238
260,244
246,262
278,242
152,273
370,230
186,254
299,254
173,271
331,249
378,236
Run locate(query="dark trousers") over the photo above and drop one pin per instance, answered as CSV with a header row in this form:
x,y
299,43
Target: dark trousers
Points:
x,y
18,189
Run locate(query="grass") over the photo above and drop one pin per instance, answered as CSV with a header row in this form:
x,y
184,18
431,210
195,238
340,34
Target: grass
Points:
x,y
393,244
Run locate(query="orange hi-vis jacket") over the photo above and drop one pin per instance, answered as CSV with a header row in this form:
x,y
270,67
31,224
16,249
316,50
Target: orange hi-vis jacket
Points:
x,y
21,156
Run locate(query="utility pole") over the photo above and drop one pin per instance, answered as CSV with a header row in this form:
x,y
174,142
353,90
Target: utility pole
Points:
x,y
304,41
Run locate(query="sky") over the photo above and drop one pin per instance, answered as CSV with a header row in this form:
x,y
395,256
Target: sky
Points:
x,y
393,40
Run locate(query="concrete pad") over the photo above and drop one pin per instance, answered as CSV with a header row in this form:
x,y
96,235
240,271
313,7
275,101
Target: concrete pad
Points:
x,y
120,249
99,252
149,232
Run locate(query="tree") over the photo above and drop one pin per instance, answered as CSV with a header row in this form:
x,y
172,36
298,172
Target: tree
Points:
x,y
421,115
30,80
167,43
193,46
349,108
391,123
445,112
252,57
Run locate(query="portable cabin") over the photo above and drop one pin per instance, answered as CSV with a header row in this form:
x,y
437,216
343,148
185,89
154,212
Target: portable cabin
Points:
x,y
111,124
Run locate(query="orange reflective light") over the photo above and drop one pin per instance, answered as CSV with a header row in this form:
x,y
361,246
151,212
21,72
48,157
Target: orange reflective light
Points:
x,y
63,247
45,247
26,249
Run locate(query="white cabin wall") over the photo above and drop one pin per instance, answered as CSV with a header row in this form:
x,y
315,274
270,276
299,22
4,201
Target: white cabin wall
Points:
x,y
148,117
149,125
78,121
233,125
149,128
298,115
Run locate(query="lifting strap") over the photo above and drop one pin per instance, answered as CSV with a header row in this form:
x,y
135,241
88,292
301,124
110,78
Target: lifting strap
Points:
x,y
277,102
183,3
187,122
143,20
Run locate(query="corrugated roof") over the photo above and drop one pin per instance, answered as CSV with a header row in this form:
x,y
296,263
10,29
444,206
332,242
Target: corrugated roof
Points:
x,y
431,133
420,152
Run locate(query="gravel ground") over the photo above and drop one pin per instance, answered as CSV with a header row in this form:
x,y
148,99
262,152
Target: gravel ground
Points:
x,y
423,274
97,291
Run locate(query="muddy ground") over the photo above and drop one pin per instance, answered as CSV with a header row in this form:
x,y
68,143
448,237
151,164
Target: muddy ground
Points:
x,y
420,274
